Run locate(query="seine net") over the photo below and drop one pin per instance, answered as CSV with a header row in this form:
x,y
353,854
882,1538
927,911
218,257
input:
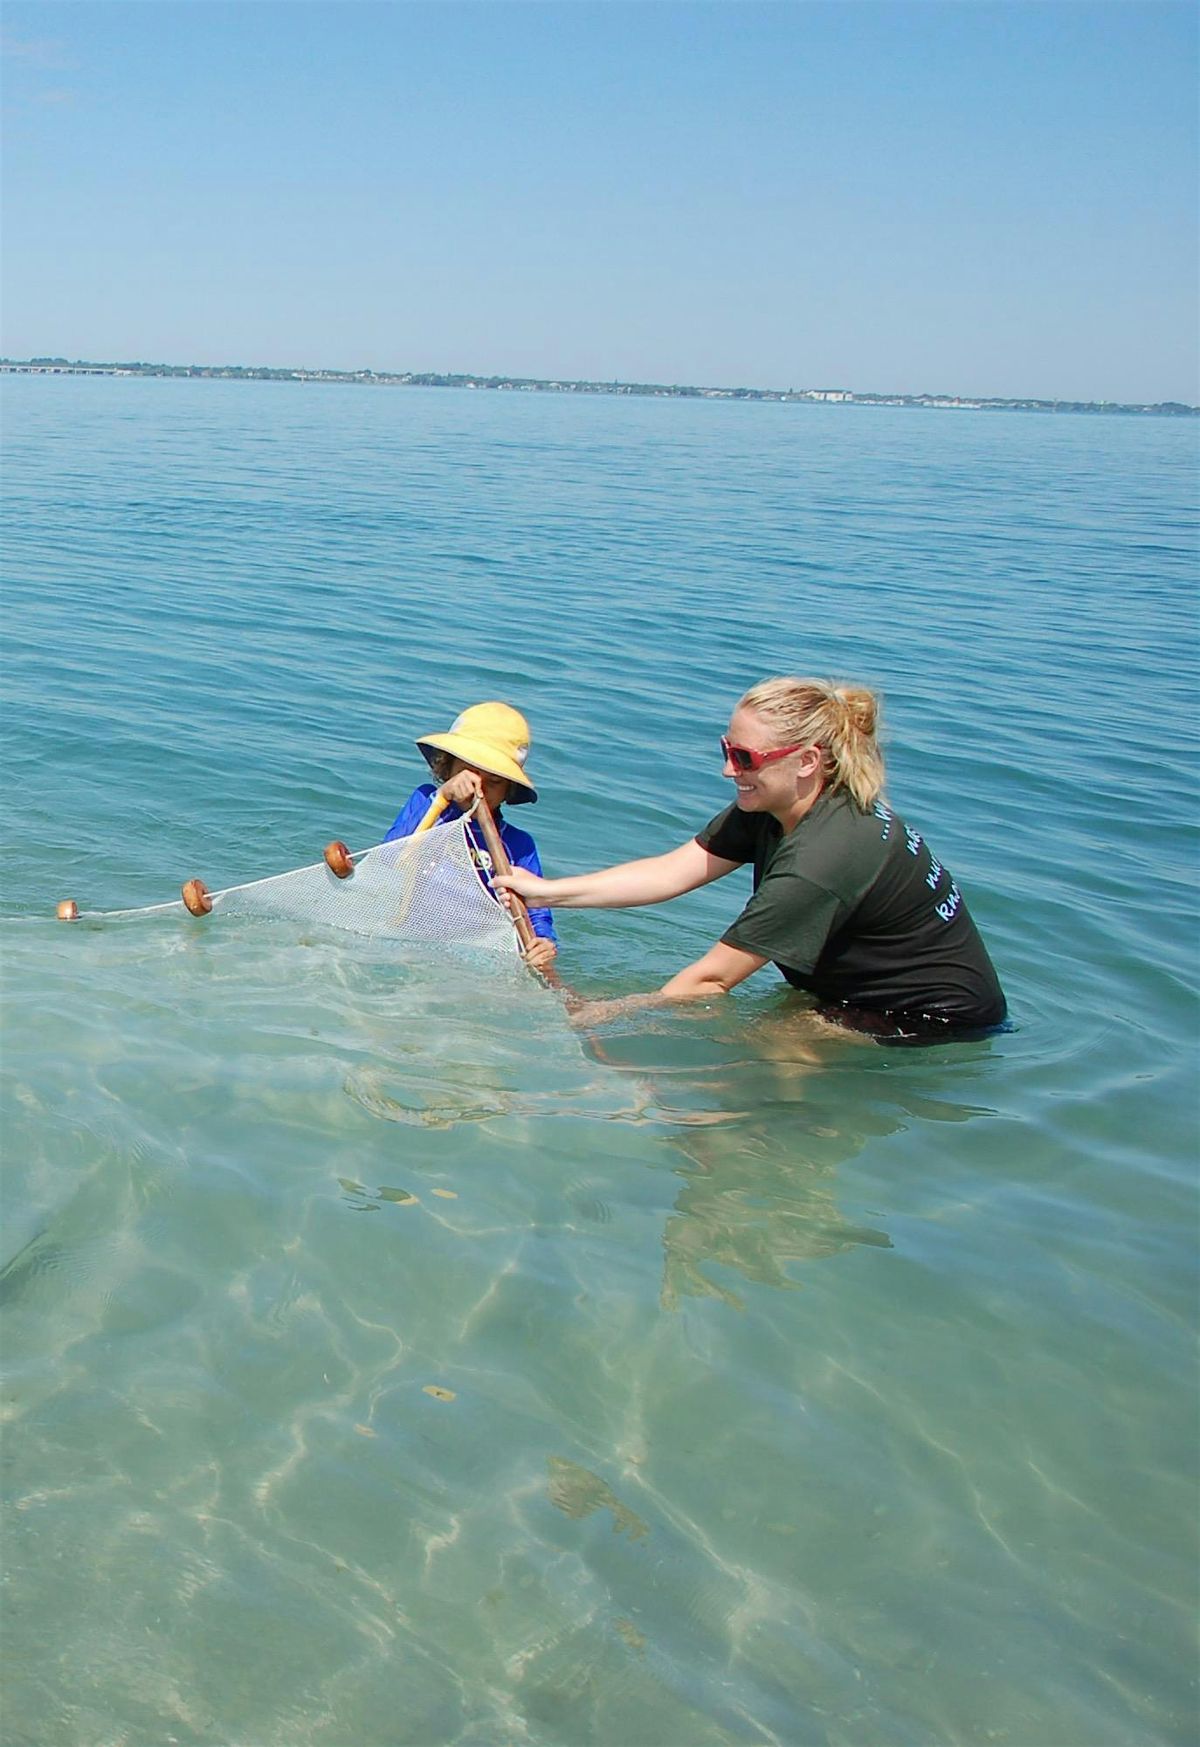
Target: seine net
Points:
x,y
422,888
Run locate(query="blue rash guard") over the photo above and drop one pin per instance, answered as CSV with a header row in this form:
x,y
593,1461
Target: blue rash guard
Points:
x,y
519,845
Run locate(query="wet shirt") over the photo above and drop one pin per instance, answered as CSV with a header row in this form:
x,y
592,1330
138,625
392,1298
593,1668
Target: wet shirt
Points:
x,y
519,846
855,908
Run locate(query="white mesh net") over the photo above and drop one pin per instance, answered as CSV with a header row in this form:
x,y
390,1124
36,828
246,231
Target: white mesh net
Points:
x,y
421,888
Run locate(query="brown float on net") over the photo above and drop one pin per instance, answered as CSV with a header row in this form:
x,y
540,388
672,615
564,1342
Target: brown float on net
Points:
x,y
338,859
195,897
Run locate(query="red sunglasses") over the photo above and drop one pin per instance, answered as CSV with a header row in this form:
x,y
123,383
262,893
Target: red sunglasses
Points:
x,y
746,758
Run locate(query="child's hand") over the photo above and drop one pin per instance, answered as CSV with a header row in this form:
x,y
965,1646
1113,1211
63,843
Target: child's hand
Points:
x,y
462,789
541,954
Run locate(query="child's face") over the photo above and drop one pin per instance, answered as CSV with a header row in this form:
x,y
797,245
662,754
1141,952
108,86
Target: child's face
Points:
x,y
495,788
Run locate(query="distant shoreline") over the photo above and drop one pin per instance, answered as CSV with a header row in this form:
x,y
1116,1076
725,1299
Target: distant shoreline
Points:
x,y
555,385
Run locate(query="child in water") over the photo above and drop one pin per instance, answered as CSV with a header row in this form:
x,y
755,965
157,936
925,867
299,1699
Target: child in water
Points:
x,y
483,752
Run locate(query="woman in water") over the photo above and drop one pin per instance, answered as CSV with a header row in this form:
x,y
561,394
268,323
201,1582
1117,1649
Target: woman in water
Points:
x,y
849,902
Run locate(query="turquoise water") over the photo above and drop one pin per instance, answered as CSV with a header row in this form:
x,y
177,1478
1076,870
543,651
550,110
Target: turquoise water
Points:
x,y
386,1361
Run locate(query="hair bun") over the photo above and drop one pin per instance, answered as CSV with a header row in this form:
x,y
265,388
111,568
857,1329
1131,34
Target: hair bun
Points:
x,y
859,705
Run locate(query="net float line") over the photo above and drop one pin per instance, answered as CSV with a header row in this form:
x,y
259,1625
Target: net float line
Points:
x,y
195,897
419,888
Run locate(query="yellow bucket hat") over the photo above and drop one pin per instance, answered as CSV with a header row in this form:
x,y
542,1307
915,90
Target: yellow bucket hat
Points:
x,y
492,737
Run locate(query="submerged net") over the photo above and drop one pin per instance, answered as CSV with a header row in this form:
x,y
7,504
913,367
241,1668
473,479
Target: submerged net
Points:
x,y
421,888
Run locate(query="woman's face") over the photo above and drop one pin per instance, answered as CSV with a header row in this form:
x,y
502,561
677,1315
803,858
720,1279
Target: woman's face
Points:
x,y
773,787
495,788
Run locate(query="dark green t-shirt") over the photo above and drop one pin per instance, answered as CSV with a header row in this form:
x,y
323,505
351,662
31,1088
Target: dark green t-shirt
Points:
x,y
854,907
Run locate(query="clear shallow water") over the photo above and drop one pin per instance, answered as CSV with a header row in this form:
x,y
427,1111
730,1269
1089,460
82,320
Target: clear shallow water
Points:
x,y
387,1362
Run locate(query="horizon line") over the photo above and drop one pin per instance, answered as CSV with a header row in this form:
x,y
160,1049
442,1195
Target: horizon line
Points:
x,y
584,385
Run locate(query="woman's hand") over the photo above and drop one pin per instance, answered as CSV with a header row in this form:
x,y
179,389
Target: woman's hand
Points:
x,y
721,969
462,789
526,885
585,1014
541,954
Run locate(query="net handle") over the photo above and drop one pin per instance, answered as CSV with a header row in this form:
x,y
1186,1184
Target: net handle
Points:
x,y
502,865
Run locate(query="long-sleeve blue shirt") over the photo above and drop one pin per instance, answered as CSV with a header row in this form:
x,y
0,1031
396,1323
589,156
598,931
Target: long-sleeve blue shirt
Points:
x,y
518,844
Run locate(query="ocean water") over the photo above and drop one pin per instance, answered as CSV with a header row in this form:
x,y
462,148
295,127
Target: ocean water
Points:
x,y
386,1360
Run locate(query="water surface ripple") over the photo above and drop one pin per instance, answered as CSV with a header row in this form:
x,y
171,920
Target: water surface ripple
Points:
x,y
385,1361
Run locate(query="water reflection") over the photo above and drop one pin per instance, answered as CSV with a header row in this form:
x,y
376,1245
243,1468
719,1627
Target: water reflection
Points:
x,y
752,1207
769,1110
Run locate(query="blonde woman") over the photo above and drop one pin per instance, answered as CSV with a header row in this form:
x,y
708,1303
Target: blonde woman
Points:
x,y
848,902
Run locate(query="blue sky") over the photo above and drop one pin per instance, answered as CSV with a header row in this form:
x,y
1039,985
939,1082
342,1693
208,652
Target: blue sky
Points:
x,y
963,197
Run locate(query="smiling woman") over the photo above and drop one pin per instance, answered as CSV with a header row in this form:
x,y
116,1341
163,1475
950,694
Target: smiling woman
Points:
x,y
849,902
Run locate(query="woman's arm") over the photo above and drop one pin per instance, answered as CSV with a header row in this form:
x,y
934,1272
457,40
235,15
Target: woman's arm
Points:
x,y
721,969
652,881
